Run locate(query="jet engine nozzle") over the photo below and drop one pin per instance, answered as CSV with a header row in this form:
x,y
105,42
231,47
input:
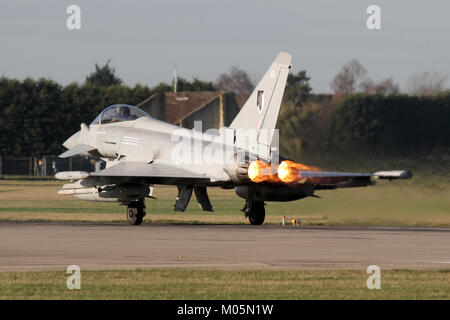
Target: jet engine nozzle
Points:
x,y
289,171
259,171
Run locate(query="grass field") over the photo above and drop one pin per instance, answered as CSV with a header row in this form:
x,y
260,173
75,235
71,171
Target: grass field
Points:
x,y
399,203
206,284
396,203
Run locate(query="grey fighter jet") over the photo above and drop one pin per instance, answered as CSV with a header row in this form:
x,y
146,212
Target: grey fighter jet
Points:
x,y
141,152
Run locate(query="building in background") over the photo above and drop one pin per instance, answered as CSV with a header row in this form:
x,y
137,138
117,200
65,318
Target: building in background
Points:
x,y
214,108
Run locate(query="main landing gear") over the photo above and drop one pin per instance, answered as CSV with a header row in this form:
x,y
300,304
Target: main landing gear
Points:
x,y
136,212
255,211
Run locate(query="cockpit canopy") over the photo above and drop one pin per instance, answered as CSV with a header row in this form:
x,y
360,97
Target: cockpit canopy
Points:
x,y
119,113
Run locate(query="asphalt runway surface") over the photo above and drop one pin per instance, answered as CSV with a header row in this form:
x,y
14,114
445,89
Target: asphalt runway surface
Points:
x,y
54,246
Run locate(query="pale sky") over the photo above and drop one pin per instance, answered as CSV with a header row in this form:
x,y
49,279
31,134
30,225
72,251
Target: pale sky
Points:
x,y
145,39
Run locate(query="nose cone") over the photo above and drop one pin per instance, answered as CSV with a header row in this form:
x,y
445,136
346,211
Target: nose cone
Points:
x,y
72,141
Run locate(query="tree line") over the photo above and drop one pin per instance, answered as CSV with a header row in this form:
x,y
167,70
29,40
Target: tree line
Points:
x,y
366,124
363,117
37,115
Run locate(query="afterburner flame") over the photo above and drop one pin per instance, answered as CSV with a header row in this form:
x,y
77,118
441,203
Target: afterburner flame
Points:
x,y
289,171
286,173
254,170
259,171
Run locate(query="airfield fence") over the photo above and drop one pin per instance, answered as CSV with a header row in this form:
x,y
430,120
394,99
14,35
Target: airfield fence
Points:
x,y
45,165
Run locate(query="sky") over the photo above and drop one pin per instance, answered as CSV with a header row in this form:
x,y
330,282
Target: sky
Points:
x,y
147,40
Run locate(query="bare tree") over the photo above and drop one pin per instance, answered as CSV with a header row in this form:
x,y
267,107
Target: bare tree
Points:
x,y
237,80
425,83
384,87
349,79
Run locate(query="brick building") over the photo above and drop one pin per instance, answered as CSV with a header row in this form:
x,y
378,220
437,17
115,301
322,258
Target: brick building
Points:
x,y
214,109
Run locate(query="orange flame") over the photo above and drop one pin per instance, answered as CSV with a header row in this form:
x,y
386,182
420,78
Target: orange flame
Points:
x,y
288,171
259,171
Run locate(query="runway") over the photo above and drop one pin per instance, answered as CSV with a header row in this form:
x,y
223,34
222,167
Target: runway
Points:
x,y
54,246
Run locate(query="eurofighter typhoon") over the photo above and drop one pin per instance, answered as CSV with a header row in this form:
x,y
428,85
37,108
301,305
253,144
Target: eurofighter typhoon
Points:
x,y
140,152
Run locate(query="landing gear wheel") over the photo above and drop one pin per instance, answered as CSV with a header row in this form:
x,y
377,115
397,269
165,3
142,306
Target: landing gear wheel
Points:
x,y
256,212
136,212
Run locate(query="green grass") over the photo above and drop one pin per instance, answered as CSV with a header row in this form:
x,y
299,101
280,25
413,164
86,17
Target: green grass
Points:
x,y
396,203
400,203
208,284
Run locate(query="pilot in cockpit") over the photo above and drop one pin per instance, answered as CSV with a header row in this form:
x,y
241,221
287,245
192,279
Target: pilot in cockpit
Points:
x,y
125,114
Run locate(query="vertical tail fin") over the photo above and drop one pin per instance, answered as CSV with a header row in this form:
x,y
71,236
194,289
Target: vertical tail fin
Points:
x,y
262,107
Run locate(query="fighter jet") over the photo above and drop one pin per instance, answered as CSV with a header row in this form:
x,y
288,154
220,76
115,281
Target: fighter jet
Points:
x,y
140,152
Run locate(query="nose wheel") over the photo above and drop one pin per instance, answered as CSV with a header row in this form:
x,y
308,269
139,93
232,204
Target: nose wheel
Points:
x,y
136,212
